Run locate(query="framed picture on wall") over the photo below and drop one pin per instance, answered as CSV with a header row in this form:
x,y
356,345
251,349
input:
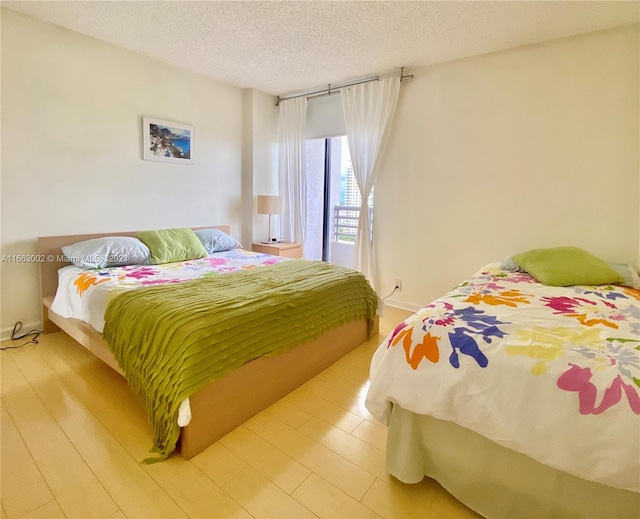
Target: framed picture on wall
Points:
x,y
166,141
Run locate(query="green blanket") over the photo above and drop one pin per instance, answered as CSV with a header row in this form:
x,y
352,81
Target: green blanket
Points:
x,y
173,340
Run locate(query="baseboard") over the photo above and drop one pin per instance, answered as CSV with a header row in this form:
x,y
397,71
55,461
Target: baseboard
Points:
x,y
5,333
402,305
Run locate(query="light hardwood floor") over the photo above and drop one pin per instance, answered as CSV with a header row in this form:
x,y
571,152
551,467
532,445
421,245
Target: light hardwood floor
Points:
x,y
73,437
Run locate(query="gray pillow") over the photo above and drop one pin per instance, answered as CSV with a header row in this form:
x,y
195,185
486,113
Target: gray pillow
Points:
x,y
110,251
630,277
214,240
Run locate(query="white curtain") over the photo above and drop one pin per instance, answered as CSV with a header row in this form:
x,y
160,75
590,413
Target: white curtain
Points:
x,y
368,112
291,130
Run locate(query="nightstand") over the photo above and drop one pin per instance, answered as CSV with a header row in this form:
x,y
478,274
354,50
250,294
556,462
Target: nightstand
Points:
x,y
288,250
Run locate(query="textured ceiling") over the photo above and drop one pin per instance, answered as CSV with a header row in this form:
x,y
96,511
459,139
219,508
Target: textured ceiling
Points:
x,y
281,47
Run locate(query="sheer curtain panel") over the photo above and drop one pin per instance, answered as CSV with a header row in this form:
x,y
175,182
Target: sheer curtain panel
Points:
x,y
368,111
291,135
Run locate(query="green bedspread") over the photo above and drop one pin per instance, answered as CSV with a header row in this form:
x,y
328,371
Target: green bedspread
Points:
x,y
172,340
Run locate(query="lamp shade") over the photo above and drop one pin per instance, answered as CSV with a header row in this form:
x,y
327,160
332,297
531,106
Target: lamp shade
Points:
x,y
269,204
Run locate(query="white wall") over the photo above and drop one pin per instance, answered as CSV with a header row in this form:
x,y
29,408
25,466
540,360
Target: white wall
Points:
x,y
493,155
71,147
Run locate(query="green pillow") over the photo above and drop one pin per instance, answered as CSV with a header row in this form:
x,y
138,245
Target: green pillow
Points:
x,y
171,245
566,266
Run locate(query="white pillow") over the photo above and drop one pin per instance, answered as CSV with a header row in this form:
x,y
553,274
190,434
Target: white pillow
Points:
x,y
214,240
111,251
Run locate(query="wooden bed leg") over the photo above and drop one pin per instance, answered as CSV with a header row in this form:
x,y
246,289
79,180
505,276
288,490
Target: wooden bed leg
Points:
x,y
47,325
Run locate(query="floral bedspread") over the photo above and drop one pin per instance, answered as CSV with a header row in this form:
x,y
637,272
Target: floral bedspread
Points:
x,y
84,294
553,373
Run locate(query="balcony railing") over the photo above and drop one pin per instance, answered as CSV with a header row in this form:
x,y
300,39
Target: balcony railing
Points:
x,y
345,222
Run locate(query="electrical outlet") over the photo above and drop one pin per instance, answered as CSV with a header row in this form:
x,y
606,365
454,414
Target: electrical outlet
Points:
x,y
399,285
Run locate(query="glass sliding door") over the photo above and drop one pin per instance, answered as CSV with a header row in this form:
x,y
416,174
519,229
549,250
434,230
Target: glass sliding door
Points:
x,y
333,202
316,182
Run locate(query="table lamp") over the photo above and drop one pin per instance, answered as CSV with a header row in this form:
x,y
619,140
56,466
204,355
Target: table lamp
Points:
x,y
269,204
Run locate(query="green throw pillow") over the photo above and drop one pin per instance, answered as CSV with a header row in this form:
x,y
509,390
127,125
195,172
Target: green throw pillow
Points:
x,y
171,245
566,266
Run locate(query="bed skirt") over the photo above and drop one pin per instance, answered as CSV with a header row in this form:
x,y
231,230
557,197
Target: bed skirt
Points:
x,y
493,480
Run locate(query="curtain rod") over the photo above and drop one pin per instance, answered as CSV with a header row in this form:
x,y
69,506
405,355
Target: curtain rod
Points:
x,y
330,91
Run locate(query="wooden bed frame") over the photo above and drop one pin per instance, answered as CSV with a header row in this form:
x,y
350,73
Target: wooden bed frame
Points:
x,y
230,401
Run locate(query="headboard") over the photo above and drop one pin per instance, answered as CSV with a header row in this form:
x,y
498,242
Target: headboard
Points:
x,y
50,251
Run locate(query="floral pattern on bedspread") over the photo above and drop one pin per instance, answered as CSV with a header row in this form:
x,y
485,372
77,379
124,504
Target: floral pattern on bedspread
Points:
x,y
213,265
84,294
490,353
